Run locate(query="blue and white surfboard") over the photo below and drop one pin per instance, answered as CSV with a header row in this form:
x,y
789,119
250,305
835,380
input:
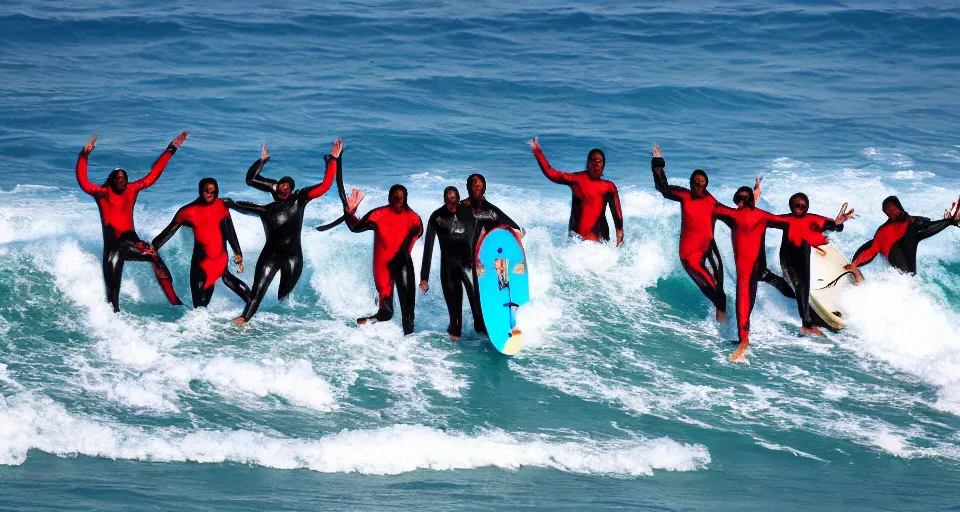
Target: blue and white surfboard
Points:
x,y
501,269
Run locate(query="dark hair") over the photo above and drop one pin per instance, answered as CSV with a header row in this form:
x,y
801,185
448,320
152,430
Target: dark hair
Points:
x,y
402,189
288,179
892,200
207,181
741,191
699,172
800,195
113,177
479,177
596,151
455,191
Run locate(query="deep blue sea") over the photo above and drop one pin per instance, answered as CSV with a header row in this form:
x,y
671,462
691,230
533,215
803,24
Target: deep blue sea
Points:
x,y
621,399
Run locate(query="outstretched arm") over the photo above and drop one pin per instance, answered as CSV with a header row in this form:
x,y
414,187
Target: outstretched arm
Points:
x,y
253,173
334,166
502,218
551,173
657,163
349,213
161,162
723,214
168,232
927,228
85,184
245,207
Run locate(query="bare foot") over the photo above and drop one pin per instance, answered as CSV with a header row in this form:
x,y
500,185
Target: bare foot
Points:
x,y
740,356
811,331
239,320
455,338
721,316
361,321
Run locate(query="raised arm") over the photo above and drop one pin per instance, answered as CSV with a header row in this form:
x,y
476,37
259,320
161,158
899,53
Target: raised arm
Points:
x,y
253,173
334,167
428,251
657,163
349,214
160,163
85,184
552,174
245,207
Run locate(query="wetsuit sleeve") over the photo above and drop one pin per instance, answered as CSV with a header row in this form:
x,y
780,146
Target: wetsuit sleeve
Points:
x,y
428,247
245,207
156,169
230,234
85,184
927,228
359,226
613,197
723,214
776,221
502,217
866,253
259,182
552,174
415,231
168,232
660,180
315,191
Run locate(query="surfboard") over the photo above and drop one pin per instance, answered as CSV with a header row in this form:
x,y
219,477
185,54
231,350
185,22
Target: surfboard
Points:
x,y
501,267
828,280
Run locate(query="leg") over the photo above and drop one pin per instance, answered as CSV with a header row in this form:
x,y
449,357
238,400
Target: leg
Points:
x,y
291,266
474,295
112,275
198,284
132,248
746,297
406,291
706,270
383,280
266,268
453,295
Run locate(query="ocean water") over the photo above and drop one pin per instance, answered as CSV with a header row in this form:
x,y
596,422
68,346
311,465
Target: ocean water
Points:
x,y
622,397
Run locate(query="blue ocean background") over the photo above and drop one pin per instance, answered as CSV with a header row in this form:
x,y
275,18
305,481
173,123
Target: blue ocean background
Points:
x,y
622,397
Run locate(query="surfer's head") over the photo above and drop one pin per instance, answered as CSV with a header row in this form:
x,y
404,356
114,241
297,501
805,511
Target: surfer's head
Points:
x,y
596,161
893,208
117,180
451,198
285,187
398,198
699,182
209,190
799,204
743,197
476,186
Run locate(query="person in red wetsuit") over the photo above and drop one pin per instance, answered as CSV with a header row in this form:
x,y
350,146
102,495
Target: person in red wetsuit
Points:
x,y
395,228
897,239
212,228
801,232
748,225
115,200
591,196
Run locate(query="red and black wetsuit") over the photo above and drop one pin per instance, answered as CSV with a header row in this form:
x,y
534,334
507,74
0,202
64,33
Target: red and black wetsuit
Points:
x,y
698,249
748,225
212,229
897,240
455,231
800,233
393,237
282,222
120,240
588,218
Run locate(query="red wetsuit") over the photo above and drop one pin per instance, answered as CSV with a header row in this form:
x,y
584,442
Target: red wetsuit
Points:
x,y
698,250
120,241
212,230
799,235
393,237
748,226
897,240
591,196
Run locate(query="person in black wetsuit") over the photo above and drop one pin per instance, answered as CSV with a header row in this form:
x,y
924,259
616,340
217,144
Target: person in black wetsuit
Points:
x,y
282,221
212,227
897,239
453,224
801,232
396,228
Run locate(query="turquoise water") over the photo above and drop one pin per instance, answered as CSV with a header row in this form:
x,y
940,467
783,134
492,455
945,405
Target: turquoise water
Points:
x,y
622,397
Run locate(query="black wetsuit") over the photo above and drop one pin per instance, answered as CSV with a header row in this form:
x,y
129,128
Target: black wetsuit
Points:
x,y
800,235
455,231
486,217
282,222
898,241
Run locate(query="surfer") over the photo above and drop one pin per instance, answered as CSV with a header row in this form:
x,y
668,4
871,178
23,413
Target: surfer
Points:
x,y
802,231
453,224
748,225
591,196
212,227
282,221
396,228
897,239
116,198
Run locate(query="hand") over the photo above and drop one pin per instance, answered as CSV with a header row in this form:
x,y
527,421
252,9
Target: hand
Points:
x,y
238,259
619,237
844,215
180,138
264,154
337,148
356,196
856,272
756,189
534,143
92,143
656,150
424,286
